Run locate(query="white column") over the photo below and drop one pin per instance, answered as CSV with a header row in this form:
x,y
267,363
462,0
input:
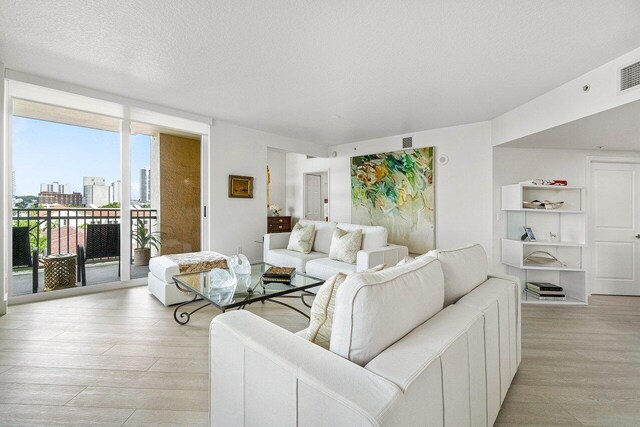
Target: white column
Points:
x,y
125,203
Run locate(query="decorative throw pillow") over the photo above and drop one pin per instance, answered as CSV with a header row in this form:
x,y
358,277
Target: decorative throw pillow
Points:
x,y
322,309
345,245
301,239
405,260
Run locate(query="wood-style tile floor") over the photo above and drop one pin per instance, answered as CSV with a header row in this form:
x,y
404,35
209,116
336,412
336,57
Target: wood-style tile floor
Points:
x,y
112,358
580,365
118,358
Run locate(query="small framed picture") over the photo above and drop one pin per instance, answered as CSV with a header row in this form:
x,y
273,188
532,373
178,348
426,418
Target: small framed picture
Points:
x,y
529,232
241,186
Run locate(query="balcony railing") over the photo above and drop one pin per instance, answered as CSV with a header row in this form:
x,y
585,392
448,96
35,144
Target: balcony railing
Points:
x,y
61,230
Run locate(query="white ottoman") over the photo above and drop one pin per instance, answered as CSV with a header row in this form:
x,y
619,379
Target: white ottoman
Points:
x,y
163,268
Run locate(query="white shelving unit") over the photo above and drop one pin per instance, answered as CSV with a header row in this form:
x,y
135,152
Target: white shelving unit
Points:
x,y
568,225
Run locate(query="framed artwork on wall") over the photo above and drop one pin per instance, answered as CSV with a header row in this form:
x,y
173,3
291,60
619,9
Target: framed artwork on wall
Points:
x,y
397,191
241,186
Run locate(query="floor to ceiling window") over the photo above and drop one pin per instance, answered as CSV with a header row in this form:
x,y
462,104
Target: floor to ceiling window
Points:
x,y
66,198
77,218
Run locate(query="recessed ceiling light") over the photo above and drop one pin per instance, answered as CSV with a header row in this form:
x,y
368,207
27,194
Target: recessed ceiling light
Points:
x,y
336,116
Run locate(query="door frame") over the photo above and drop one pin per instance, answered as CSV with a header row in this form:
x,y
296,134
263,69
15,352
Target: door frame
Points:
x,y
590,214
304,191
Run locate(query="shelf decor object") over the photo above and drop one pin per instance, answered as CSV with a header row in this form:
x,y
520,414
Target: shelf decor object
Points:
x,y
544,258
556,256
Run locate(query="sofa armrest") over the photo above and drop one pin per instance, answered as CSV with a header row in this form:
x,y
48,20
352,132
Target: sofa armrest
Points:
x,y
508,277
389,255
256,366
274,241
518,307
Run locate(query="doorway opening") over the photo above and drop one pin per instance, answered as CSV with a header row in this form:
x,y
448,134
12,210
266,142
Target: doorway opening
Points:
x,y
316,196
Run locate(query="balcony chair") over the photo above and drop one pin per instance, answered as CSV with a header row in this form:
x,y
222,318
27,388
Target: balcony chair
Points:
x,y
23,254
101,241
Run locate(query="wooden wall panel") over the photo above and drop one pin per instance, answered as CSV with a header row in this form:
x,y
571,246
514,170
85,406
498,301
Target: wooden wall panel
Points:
x,y
180,194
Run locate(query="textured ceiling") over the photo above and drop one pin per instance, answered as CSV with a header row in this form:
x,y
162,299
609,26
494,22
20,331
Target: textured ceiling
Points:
x,y
384,67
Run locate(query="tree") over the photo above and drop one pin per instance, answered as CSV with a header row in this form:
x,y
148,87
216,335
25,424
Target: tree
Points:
x,y
111,205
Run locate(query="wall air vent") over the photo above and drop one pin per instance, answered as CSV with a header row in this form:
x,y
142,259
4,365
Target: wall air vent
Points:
x,y
630,76
407,142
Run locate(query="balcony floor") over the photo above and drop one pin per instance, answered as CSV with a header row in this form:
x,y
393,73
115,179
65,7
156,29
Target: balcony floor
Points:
x,y
103,272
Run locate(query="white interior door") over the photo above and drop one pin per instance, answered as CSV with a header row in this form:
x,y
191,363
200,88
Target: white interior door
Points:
x,y
313,198
615,228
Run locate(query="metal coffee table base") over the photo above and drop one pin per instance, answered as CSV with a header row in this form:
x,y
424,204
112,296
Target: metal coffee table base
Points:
x,y
185,316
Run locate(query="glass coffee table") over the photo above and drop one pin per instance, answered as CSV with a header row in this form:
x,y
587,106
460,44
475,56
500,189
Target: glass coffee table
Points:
x,y
250,290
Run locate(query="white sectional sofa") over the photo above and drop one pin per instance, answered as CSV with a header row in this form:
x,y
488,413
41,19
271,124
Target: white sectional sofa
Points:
x,y
399,355
374,251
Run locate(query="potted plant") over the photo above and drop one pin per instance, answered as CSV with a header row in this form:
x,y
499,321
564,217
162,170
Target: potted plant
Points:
x,y
144,239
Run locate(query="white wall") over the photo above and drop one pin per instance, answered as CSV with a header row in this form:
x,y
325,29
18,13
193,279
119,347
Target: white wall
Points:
x,y
567,102
512,165
236,150
277,162
463,186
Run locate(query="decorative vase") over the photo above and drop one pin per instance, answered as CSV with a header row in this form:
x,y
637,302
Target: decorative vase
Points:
x,y
141,256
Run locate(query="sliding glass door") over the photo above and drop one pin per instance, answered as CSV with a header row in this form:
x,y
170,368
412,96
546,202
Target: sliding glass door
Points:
x,y
65,183
94,196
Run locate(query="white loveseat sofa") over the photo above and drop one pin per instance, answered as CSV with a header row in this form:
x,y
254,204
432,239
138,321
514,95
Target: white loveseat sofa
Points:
x,y
374,251
400,355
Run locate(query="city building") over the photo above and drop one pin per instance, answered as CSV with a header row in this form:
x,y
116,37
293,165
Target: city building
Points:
x,y
55,187
145,185
51,197
116,191
96,192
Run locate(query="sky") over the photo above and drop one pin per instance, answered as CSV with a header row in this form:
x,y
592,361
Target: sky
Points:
x,y
44,152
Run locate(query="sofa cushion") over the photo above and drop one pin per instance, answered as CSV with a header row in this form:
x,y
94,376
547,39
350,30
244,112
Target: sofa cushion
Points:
x,y
374,310
323,268
345,245
464,269
287,258
373,236
324,233
322,310
301,238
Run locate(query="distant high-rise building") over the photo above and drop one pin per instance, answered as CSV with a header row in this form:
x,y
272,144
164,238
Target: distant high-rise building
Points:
x,y
98,195
95,191
55,187
116,191
145,185
93,180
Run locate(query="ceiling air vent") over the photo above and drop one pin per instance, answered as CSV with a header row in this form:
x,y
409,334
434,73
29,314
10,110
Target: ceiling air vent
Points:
x,y
630,76
407,142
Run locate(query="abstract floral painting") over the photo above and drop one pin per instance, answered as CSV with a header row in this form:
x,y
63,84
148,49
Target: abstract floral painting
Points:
x,y
396,190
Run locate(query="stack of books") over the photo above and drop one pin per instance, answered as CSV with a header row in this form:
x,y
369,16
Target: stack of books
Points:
x,y
278,275
545,291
